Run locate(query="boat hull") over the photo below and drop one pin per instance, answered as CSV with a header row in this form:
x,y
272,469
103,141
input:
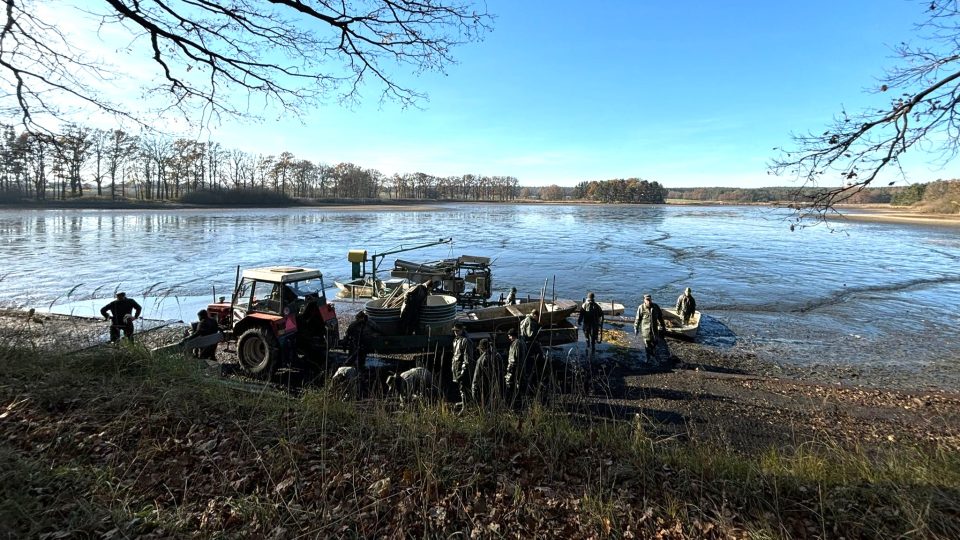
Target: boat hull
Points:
x,y
676,328
501,318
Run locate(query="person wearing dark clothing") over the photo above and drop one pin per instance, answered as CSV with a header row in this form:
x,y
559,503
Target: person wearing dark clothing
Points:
x,y
488,377
413,302
358,337
123,311
463,364
686,305
649,324
517,369
591,320
205,326
311,330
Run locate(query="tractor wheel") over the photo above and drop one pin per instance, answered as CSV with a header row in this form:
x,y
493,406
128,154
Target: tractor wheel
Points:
x,y
258,351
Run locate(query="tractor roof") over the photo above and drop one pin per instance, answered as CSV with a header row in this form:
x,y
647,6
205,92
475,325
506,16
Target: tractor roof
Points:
x,y
281,274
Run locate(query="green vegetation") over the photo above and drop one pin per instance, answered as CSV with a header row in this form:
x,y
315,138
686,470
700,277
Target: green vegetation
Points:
x,y
632,190
121,444
910,195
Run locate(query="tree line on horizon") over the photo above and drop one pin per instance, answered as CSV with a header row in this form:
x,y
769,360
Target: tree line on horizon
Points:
x,y
121,165
118,165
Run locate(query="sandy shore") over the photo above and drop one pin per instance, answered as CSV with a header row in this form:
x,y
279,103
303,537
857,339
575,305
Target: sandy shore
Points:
x,y
900,216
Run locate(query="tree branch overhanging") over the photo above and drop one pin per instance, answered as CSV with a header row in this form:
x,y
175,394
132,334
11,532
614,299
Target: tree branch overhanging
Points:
x,y
214,55
855,150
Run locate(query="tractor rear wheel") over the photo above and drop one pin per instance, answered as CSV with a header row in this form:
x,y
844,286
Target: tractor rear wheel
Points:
x,y
258,351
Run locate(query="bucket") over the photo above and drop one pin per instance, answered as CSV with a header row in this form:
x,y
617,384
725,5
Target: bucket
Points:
x,y
388,319
437,316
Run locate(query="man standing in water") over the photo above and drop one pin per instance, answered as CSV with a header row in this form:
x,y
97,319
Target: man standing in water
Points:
x,y
591,319
686,305
649,323
120,315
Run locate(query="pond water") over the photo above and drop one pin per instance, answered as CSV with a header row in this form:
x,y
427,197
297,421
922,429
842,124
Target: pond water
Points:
x,y
869,293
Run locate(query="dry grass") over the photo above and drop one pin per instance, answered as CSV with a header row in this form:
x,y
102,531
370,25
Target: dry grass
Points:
x,y
119,443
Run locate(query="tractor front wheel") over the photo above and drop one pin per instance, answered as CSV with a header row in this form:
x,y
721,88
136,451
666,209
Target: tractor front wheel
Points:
x,y
258,351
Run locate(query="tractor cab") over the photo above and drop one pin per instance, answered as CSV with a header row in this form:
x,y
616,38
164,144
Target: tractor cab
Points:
x,y
276,312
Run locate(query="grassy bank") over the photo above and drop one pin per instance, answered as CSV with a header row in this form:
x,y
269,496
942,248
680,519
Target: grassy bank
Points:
x,y
121,444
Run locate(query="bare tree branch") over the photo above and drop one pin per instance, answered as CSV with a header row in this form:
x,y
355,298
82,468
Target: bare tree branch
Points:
x,y
214,55
855,150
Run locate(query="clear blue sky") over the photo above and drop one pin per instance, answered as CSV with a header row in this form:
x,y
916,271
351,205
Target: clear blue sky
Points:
x,y
684,93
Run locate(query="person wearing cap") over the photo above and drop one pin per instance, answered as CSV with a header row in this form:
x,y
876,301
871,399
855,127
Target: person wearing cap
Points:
x,y
686,305
516,376
591,319
649,324
488,378
463,364
123,311
511,296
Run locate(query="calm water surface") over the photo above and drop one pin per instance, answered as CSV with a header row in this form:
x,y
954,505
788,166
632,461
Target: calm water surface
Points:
x,y
878,293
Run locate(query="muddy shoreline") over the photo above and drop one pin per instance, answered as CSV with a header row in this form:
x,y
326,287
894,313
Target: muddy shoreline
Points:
x,y
705,393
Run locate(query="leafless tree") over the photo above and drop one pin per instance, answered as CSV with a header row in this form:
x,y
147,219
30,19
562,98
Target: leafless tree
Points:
x,y
72,148
121,146
156,152
923,114
216,57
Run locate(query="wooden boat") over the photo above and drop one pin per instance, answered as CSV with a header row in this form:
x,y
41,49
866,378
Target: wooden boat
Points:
x,y
675,326
495,318
366,287
356,288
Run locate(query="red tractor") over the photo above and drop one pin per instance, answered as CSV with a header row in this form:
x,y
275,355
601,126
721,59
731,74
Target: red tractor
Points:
x,y
276,313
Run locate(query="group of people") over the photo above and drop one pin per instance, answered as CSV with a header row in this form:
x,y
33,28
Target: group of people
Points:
x,y
480,373
485,379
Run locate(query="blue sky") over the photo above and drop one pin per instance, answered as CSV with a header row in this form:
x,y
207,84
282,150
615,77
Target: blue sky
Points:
x,y
684,93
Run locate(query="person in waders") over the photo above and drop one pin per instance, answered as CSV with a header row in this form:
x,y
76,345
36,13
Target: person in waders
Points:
x,y
123,311
649,324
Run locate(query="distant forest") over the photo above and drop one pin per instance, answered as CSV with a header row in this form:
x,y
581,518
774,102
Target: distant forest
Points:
x,y
114,164
83,162
941,196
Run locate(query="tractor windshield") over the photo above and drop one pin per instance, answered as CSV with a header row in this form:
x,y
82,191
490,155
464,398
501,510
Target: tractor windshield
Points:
x,y
308,288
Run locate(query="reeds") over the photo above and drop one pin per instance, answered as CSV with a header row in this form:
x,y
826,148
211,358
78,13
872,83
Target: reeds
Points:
x,y
120,443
